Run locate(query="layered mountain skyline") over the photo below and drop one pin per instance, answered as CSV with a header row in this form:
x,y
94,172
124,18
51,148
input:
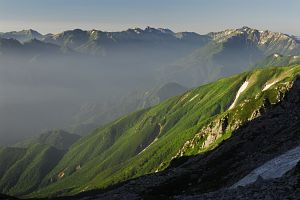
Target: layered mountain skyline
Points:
x,y
54,66
201,16
29,34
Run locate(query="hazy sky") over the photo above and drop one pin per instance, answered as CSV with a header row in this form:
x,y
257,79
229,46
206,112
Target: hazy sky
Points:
x,y
180,15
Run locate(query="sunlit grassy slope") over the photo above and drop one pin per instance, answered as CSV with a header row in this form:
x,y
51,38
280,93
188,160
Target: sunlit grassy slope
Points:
x,y
145,141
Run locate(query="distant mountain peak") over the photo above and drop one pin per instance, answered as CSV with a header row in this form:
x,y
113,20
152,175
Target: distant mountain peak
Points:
x,y
268,40
135,30
148,28
246,28
31,31
23,35
78,30
74,31
165,30
158,30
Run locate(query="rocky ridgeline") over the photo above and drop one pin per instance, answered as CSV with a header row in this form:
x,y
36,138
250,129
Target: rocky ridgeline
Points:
x,y
231,120
271,42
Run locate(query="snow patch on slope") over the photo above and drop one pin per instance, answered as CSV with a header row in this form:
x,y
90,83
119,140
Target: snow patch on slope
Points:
x,y
274,168
148,145
160,129
242,89
267,86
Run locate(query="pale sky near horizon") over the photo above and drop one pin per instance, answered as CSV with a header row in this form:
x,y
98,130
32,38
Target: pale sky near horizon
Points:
x,y
200,16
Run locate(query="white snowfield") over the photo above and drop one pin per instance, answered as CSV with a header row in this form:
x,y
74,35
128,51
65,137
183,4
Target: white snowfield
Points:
x,y
160,128
148,145
242,89
267,86
274,168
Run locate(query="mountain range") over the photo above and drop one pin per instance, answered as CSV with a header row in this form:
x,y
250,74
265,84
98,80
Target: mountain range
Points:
x,y
172,56
203,57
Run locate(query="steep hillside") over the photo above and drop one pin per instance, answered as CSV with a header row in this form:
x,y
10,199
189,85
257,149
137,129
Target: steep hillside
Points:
x,y
25,165
161,93
270,137
146,141
91,116
22,170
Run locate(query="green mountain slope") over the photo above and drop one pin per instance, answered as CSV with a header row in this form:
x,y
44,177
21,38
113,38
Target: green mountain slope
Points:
x,y
22,170
146,141
267,145
25,165
93,115
8,156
